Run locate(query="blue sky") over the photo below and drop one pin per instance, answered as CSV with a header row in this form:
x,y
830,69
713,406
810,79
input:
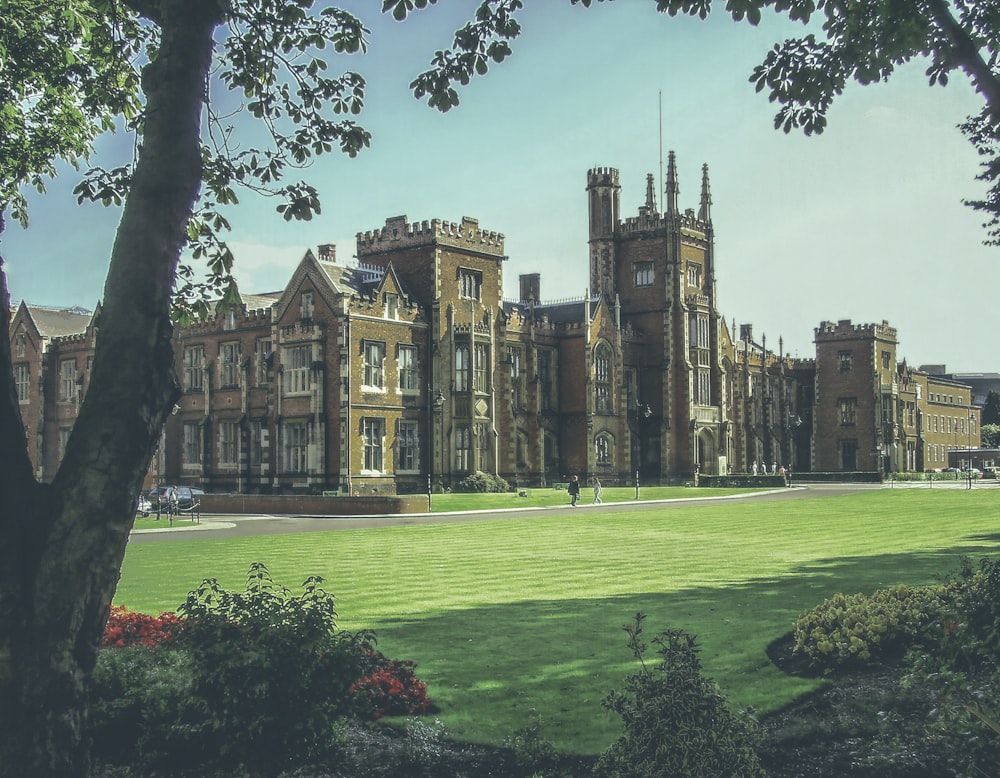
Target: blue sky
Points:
x,y
865,222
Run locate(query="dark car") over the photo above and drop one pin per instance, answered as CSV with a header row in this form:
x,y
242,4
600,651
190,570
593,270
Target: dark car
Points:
x,y
187,497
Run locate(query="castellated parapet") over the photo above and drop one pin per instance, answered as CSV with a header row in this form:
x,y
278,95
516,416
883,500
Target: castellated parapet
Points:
x,y
398,233
602,176
827,330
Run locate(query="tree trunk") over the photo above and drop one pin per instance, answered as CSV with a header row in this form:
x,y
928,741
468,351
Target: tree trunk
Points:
x,y
62,544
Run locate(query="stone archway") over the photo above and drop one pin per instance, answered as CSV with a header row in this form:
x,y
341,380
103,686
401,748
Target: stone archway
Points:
x,y
708,452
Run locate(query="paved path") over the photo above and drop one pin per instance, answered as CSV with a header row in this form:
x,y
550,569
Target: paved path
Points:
x,y
245,525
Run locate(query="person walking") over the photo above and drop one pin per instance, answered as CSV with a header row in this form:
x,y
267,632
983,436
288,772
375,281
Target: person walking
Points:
x,y
574,490
597,491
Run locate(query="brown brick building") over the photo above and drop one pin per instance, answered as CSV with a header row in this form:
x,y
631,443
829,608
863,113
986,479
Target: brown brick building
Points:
x,y
409,368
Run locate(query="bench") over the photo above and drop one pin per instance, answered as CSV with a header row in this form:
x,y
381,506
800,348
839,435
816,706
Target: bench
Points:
x,y
561,485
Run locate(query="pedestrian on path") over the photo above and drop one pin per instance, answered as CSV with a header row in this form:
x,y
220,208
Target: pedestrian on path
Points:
x,y
597,491
574,490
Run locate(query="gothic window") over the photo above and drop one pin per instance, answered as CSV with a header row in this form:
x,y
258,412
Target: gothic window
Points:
x,y
461,368
262,354
22,378
295,438
306,306
481,368
255,443
391,305
67,380
844,361
642,273
545,378
848,410
602,449
463,449
602,378
295,363
484,439
374,356
191,449
20,344
194,366
373,434
703,387
227,443
229,362
406,447
694,275
516,384
470,283
407,365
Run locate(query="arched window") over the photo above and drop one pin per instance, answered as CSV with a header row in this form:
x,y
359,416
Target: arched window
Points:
x,y
603,446
602,378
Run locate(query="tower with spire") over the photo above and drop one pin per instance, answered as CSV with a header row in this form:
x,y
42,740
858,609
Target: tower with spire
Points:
x,y
659,267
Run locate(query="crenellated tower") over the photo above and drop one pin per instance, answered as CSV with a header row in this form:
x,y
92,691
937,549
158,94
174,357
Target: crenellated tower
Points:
x,y
603,194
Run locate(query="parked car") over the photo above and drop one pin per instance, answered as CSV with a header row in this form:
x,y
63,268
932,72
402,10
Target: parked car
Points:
x,y
989,472
142,506
187,496
973,471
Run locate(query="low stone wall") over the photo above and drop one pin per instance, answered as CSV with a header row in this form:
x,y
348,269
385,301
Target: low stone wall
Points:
x,y
313,505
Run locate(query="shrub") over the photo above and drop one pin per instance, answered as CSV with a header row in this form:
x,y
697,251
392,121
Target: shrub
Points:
x,y
143,711
962,665
676,722
126,628
389,688
270,668
852,630
482,482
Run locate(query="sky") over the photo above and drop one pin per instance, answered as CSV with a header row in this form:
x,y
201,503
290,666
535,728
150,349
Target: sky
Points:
x,y
864,222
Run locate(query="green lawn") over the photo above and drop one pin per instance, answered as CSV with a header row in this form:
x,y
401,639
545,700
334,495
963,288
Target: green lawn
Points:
x,y
519,613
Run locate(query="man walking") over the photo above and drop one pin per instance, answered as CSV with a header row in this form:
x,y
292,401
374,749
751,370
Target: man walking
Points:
x,y
574,490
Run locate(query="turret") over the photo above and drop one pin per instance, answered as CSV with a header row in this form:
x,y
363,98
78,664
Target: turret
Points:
x,y
705,210
672,189
603,192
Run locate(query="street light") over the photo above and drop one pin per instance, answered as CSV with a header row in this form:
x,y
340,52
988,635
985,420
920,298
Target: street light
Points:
x,y
438,403
971,417
642,412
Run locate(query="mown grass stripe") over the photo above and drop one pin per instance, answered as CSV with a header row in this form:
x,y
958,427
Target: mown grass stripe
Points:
x,y
517,613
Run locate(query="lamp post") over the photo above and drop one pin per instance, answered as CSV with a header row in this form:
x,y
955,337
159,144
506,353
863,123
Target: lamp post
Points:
x,y
971,417
642,412
438,403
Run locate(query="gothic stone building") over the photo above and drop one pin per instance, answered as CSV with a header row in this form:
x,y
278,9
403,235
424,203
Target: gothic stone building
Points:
x,y
409,369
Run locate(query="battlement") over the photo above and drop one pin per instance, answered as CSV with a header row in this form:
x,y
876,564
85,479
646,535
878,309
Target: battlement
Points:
x,y
399,233
845,329
602,176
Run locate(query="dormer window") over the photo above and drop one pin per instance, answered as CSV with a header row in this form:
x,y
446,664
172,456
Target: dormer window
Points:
x,y
391,305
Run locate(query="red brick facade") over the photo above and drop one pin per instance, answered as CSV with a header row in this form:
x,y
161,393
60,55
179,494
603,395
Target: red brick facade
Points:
x,y
409,369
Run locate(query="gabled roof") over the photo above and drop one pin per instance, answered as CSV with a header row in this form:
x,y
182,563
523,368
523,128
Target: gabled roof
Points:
x,y
259,302
58,322
562,312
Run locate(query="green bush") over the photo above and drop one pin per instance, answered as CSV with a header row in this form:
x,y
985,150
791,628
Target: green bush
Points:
x,y
270,668
852,630
675,721
962,665
143,711
482,482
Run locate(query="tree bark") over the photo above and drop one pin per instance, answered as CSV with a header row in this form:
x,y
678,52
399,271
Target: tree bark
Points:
x,y
62,544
